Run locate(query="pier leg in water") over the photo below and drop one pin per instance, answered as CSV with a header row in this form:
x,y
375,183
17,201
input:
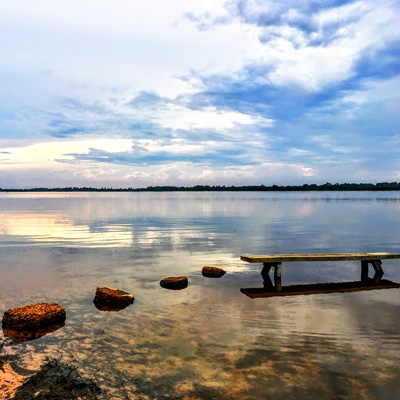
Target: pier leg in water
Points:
x,y
377,264
277,276
364,270
265,274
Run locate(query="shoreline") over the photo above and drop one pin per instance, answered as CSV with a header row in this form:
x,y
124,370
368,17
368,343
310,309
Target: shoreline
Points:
x,y
326,187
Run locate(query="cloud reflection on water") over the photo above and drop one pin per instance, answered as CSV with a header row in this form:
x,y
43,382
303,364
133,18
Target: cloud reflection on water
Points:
x,y
209,340
56,230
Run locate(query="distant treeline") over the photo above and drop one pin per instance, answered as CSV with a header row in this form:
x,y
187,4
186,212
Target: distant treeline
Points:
x,y
206,188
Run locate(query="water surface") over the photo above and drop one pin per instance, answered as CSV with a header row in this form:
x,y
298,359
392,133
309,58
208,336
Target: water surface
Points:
x,y
209,341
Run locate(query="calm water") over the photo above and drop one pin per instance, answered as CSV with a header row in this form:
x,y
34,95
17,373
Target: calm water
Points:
x,y
208,341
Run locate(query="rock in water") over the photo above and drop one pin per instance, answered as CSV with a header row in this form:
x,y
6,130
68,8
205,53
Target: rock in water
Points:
x,y
112,297
33,316
213,272
57,380
174,282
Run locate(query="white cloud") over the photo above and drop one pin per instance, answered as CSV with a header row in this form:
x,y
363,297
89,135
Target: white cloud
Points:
x,y
295,152
44,155
328,51
135,45
327,142
209,117
101,54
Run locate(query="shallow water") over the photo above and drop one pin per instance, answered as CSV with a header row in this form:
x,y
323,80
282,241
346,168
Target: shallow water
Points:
x,y
208,341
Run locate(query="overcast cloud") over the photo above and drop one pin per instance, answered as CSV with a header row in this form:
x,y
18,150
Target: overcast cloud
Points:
x,y
131,94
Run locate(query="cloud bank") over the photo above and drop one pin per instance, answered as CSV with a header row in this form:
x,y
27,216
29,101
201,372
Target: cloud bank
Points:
x,y
236,92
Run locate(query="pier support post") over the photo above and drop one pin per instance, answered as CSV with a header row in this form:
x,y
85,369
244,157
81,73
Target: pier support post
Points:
x,y
277,276
377,264
265,274
364,270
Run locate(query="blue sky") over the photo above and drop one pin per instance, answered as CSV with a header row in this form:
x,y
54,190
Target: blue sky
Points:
x,y
129,93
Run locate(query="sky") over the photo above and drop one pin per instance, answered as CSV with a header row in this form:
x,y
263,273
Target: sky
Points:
x,y
241,92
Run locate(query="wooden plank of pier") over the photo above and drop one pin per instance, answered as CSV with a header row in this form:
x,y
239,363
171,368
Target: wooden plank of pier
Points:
x,y
279,258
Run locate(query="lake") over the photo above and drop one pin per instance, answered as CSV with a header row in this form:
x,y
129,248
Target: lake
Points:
x,y
209,341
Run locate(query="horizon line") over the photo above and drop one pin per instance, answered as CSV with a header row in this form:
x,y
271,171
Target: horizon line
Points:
x,y
380,186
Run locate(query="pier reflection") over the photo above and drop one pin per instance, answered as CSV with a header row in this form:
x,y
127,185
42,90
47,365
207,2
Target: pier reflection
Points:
x,y
318,288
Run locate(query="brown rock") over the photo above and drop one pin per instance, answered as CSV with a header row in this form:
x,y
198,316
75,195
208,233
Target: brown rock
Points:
x,y
213,272
33,317
112,297
174,282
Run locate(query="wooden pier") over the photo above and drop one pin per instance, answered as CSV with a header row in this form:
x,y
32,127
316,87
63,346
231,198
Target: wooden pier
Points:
x,y
275,261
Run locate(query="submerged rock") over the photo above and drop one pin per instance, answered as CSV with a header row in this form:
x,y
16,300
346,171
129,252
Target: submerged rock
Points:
x,y
174,282
112,298
33,317
57,380
213,272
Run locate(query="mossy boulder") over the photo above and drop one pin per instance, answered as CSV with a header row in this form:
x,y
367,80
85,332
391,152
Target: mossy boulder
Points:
x,y
213,272
174,282
33,317
112,297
